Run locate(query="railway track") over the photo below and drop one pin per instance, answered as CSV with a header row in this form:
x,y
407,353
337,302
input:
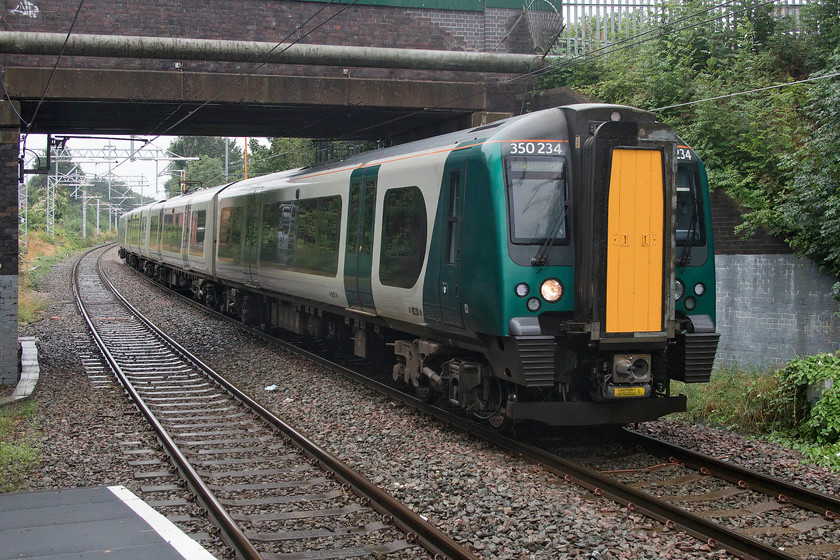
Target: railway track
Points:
x,y
272,492
745,512
683,508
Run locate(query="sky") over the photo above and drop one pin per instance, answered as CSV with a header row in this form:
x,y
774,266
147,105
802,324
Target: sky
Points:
x,y
149,175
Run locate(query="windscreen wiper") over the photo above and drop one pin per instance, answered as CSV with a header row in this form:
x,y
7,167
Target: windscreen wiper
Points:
x,y
541,258
685,256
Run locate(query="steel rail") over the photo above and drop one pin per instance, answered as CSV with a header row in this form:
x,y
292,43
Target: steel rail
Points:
x,y
782,490
230,531
670,515
430,537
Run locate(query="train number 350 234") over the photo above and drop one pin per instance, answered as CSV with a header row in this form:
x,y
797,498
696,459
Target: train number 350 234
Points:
x,y
538,148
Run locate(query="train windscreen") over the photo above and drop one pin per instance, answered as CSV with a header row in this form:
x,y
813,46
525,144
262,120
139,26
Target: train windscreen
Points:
x,y
536,199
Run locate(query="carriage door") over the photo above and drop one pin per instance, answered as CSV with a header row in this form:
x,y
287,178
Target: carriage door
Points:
x,y
358,260
450,267
634,241
186,233
155,236
252,232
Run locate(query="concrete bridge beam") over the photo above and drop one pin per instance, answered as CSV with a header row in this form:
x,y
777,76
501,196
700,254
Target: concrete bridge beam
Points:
x,y
157,102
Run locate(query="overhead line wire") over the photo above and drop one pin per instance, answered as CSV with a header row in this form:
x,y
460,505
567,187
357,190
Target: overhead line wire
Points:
x,y
606,50
256,66
49,80
621,45
442,105
610,49
756,90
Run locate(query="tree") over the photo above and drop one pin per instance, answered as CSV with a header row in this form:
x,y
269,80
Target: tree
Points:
x,y
209,169
281,154
809,211
822,21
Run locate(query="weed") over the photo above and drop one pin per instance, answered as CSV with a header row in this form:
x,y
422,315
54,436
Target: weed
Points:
x,y
739,399
773,404
18,452
817,418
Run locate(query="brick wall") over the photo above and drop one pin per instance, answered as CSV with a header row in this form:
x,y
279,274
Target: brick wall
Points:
x,y
275,21
726,216
771,305
9,138
771,308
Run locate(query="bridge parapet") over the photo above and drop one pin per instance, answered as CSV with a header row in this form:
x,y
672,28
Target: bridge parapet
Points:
x,y
408,102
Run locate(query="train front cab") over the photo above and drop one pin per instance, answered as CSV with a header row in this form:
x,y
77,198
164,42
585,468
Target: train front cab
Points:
x,y
636,227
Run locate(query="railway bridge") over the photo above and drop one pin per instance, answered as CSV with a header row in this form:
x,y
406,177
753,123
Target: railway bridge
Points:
x,y
366,69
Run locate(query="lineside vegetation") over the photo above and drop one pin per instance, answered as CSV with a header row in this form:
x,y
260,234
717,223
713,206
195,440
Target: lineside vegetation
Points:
x,y
797,405
19,454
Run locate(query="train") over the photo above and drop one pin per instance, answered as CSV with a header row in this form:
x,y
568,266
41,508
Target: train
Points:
x,y
554,267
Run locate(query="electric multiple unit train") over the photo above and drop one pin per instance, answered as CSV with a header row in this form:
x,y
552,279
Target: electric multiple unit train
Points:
x,y
556,266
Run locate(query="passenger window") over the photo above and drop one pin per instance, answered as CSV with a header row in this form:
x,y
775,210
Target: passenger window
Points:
x,y
230,233
153,234
197,227
403,248
302,235
171,240
201,219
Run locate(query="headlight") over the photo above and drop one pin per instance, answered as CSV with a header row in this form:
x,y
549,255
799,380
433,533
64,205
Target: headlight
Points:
x,y
551,290
534,304
690,303
679,290
699,288
522,289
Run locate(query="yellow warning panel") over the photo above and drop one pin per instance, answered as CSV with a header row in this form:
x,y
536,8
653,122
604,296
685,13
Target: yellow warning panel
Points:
x,y
634,242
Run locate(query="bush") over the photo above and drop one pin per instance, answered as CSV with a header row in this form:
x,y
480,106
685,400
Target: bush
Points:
x,y
819,423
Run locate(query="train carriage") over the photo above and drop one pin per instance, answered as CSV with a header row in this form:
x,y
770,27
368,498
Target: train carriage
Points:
x,y
556,266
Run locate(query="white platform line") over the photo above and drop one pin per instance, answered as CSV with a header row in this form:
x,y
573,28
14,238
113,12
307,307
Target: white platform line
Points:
x,y
185,546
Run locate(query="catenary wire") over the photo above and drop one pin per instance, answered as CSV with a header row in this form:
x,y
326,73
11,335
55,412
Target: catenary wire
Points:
x,y
658,31
441,105
756,90
604,51
49,80
257,65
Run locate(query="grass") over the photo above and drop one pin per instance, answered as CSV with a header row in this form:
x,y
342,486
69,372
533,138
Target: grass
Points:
x,y
18,452
41,254
743,400
758,403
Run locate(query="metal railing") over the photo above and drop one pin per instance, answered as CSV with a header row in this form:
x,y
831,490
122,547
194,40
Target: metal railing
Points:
x,y
591,24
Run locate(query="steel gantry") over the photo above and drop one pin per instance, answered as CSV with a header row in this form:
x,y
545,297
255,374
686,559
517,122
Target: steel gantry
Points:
x,y
67,172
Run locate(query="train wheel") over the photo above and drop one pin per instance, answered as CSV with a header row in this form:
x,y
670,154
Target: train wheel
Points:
x,y
501,422
493,410
425,392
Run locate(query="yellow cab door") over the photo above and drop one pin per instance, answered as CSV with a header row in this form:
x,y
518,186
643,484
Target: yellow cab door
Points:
x,y
634,238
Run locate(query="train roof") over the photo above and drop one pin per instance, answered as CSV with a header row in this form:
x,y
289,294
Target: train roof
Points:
x,y
588,111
